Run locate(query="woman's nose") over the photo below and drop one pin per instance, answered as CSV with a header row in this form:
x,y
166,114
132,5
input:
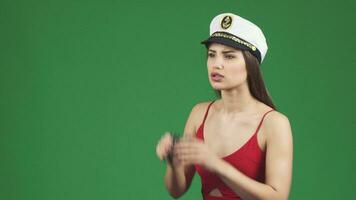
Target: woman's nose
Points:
x,y
218,63
218,67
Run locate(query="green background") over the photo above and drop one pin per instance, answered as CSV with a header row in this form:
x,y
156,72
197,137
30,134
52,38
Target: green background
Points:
x,y
88,87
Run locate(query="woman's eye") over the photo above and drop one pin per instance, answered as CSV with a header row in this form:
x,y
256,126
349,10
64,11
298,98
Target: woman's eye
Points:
x,y
211,55
229,56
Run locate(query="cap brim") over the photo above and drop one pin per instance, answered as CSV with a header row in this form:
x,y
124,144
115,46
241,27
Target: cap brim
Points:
x,y
224,41
231,43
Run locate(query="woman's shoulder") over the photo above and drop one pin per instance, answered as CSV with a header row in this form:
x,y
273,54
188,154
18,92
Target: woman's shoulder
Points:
x,y
197,114
275,117
201,106
276,125
272,116
199,110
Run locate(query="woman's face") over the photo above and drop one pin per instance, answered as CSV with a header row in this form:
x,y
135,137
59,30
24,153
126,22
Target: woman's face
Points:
x,y
229,63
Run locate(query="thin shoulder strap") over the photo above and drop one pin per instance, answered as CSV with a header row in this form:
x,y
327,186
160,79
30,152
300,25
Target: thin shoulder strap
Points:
x,y
207,111
260,124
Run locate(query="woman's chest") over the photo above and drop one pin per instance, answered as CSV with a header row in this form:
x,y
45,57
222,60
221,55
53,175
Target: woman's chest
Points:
x,y
225,136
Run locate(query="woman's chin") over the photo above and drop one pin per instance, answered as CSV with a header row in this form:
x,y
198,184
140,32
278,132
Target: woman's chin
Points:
x,y
217,87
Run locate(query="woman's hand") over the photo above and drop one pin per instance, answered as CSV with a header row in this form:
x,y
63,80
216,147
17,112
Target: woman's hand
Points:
x,y
164,146
190,150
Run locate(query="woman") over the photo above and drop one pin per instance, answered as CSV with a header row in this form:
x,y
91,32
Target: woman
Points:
x,y
240,145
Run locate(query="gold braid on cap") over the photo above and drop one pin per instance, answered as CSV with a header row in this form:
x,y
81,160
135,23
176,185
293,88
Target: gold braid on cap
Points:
x,y
235,39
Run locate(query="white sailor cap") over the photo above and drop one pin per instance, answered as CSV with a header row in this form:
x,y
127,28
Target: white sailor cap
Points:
x,y
235,31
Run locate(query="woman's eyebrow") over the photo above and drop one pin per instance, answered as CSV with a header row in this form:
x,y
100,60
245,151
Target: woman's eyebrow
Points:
x,y
224,52
230,51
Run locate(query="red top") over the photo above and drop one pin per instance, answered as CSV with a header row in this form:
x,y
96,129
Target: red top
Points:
x,y
248,159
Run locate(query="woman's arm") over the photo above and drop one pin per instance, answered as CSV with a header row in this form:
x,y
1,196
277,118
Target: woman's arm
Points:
x,y
279,158
178,179
179,176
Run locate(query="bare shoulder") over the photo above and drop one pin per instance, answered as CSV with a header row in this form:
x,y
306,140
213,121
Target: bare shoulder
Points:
x,y
277,125
200,108
274,118
196,117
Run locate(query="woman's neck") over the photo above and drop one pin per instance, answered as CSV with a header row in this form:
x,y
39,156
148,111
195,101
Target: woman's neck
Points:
x,y
238,100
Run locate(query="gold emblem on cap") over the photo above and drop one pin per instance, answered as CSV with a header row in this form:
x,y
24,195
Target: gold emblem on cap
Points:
x,y
226,22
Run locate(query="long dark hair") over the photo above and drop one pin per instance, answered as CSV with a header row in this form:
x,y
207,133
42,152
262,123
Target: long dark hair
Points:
x,y
255,81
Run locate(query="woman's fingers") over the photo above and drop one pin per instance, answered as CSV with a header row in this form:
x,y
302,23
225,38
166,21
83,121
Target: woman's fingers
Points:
x,y
190,150
164,146
188,159
187,150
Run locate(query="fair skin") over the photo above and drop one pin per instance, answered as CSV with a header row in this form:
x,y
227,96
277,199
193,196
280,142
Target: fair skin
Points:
x,y
229,125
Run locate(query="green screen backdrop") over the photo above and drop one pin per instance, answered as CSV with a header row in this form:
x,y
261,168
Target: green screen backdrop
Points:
x,y
88,87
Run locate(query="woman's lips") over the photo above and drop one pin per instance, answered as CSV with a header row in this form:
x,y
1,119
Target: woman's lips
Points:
x,y
216,76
